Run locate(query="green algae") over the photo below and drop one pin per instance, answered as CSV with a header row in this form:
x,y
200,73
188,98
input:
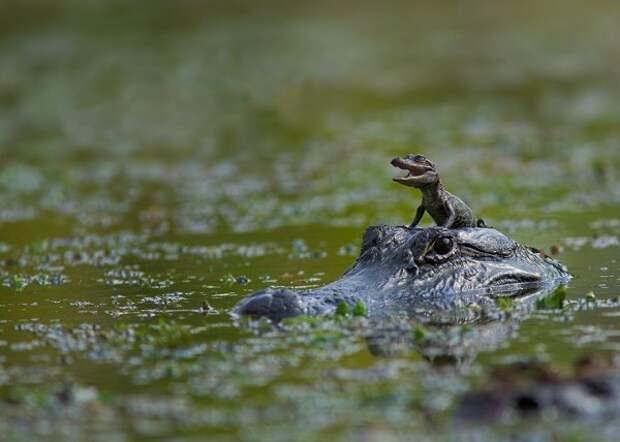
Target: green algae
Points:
x,y
359,309
419,333
342,309
553,301
505,304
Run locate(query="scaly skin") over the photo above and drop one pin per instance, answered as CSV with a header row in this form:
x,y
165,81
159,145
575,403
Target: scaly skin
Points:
x,y
402,270
446,209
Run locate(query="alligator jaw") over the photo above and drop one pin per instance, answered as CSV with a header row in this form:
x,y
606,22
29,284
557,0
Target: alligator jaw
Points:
x,y
415,171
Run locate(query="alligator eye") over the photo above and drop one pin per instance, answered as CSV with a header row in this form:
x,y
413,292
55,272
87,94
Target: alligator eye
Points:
x,y
443,245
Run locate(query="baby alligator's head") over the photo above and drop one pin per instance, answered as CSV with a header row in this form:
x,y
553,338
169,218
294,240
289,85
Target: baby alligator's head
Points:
x,y
421,171
407,270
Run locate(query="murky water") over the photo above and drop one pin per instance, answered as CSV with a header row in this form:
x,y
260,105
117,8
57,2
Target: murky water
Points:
x,y
159,163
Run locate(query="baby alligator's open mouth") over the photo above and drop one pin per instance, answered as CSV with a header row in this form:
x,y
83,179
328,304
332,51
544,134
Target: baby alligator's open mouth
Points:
x,y
413,169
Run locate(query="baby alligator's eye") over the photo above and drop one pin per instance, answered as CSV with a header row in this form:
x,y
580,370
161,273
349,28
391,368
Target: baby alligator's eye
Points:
x,y
443,245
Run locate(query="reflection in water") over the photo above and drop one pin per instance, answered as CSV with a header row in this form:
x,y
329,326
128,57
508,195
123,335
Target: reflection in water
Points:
x,y
444,345
453,338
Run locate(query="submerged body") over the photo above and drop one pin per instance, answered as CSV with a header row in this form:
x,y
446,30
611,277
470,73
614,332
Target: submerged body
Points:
x,y
445,208
409,270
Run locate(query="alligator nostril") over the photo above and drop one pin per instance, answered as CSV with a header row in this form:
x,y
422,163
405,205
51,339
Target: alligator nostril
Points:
x,y
275,304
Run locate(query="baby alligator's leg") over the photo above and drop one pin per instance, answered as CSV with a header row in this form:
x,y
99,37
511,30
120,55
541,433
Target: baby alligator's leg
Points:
x,y
449,221
419,213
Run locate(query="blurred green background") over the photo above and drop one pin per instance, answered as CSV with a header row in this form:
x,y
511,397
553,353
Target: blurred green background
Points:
x,y
308,101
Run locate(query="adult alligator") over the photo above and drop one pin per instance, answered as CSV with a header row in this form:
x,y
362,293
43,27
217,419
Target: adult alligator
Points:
x,y
411,270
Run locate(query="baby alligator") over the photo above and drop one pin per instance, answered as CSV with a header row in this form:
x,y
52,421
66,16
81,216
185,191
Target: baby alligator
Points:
x,y
446,209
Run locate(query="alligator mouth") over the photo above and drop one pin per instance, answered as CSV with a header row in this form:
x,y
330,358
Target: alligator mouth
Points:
x,y
414,170
511,280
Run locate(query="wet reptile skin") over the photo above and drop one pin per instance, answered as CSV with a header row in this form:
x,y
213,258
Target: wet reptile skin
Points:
x,y
400,269
446,209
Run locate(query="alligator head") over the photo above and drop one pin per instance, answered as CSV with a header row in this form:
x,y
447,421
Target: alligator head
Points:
x,y
413,270
420,171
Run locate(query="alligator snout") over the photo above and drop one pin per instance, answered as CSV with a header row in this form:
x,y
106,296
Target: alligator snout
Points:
x,y
272,303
